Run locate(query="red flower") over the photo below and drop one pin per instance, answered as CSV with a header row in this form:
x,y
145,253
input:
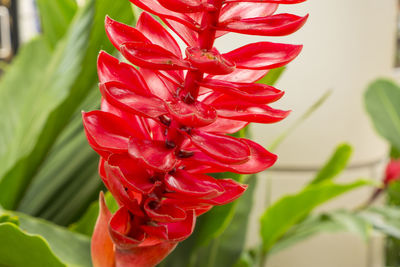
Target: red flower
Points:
x,y
163,127
392,172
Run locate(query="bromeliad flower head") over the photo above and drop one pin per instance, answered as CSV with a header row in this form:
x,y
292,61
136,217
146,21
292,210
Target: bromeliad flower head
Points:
x,y
163,126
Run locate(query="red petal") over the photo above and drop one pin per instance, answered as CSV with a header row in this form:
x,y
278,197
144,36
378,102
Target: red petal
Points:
x,y
252,92
111,69
102,247
114,177
209,61
173,76
242,10
154,154
106,132
163,211
135,122
221,147
157,34
276,25
233,190
268,1
193,115
224,126
263,55
190,204
120,33
158,86
260,159
196,185
186,6
157,231
242,75
181,230
234,109
132,173
133,101
155,8
121,232
144,256
152,56
187,35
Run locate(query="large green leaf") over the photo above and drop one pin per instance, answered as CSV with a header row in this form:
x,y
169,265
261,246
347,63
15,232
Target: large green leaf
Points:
x,y
289,210
382,100
335,165
70,248
49,87
58,89
68,181
20,249
55,18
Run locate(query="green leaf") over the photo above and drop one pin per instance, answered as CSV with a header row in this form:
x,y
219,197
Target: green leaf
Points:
x,y
382,100
49,87
289,210
86,224
351,222
311,226
20,249
384,219
58,89
70,248
55,18
332,222
335,165
394,153
67,182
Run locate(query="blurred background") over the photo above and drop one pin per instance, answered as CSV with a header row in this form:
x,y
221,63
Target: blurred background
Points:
x,y
347,45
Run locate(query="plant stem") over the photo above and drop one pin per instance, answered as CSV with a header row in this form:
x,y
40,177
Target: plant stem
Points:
x,y
300,120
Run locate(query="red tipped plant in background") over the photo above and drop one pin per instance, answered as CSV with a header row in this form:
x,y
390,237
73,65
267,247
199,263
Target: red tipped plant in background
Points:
x,y
163,126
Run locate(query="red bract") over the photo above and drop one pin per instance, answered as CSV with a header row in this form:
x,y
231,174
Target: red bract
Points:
x,y
163,124
392,172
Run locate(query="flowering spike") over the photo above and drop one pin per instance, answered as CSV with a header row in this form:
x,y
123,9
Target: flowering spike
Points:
x,y
163,126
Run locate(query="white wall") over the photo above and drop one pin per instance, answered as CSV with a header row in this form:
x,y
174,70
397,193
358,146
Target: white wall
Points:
x,y
347,44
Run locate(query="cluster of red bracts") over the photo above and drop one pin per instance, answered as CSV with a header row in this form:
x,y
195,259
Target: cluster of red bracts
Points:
x,y
163,127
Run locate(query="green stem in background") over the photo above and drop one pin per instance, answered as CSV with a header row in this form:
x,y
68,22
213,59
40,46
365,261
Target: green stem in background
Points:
x,y
300,120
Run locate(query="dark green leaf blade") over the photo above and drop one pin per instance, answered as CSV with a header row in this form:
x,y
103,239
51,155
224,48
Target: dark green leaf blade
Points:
x,y
50,87
78,53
